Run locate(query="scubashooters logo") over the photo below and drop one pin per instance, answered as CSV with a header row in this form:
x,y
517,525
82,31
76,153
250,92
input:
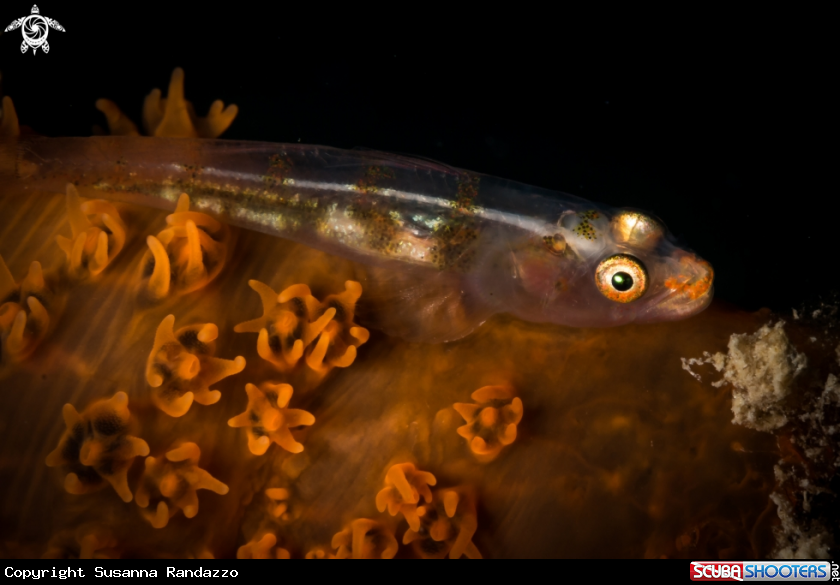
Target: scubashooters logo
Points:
x,y
798,571
35,29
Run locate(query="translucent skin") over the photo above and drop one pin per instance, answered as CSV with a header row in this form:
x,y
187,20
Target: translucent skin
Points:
x,y
448,247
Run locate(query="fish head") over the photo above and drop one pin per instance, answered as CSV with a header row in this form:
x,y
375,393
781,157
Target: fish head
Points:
x,y
605,268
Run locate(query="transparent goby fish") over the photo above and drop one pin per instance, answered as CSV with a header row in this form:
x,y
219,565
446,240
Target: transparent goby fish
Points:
x,y
441,249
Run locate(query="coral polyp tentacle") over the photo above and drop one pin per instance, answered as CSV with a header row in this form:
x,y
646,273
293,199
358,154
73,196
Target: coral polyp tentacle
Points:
x,y
279,498
491,421
186,256
97,448
365,539
175,117
262,546
118,123
267,418
447,527
172,481
98,235
181,367
9,125
405,485
25,315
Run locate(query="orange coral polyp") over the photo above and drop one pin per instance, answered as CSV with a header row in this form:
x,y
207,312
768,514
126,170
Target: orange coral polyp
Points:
x,y
98,235
448,527
404,486
173,480
288,325
174,116
491,423
262,547
96,447
24,320
267,418
365,539
294,319
183,258
181,367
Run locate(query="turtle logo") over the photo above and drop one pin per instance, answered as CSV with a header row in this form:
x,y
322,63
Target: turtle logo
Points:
x,y
35,29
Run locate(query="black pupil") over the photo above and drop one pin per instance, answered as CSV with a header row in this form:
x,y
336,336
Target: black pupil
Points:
x,y
622,281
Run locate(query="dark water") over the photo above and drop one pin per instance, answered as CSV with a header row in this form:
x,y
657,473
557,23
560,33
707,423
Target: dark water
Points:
x,y
714,124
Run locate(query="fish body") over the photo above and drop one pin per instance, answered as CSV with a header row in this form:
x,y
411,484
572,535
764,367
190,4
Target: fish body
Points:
x,y
442,248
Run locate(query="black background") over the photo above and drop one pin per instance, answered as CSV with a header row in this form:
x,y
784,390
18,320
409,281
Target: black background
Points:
x,y
718,123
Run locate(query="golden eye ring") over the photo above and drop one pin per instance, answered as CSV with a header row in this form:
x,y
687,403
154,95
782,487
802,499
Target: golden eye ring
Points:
x,y
621,278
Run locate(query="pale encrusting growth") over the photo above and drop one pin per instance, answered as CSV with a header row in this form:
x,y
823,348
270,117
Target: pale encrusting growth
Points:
x,y
774,390
761,368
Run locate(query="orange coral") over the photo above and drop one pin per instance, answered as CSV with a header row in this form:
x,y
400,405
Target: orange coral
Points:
x,y
279,497
98,235
447,527
9,125
24,318
181,369
96,446
337,344
290,322
186,256
173,480
365,539
491,423
268,419
405,485
294,319
262,547
172,116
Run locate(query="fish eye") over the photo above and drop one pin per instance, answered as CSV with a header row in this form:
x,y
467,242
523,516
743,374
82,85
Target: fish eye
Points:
x,y
621,278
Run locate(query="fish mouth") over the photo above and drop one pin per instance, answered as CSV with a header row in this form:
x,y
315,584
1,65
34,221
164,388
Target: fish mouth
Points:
x,y
685,294
682,304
